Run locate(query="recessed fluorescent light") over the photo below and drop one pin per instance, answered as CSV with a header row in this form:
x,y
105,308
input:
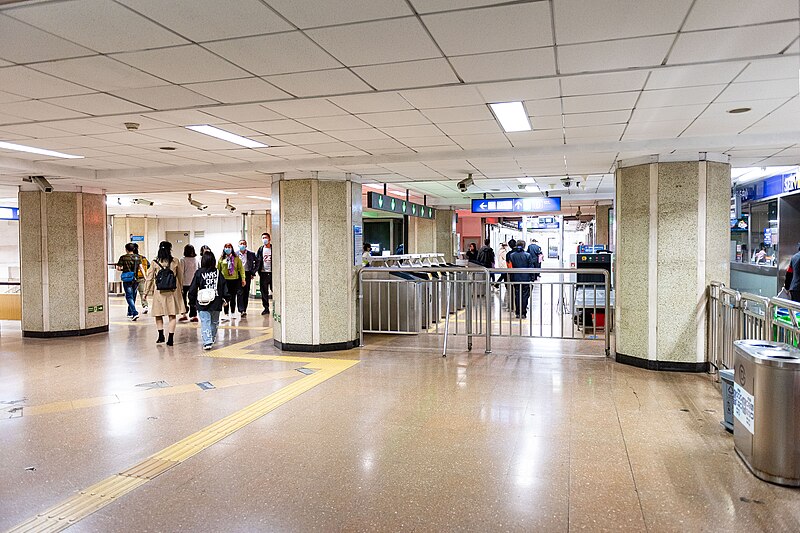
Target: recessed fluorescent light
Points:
x,y
226,136
260,198
532,188
526,180
217,191
40,151
512,116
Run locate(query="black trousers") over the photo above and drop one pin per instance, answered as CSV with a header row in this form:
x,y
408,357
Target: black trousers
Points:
x,y
234,287
243,298
521,295
265,286
795,295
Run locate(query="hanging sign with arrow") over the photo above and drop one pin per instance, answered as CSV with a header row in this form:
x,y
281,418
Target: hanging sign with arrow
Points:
x,y
382,202
516,205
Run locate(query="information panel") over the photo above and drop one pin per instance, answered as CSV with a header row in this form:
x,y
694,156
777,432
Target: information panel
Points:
x,y
382,202
9,213
516,205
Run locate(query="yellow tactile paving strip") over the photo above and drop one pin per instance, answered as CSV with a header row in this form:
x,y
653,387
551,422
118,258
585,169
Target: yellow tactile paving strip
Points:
x,y
194,325
108,490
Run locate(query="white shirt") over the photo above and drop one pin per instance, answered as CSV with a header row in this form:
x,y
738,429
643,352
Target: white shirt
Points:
x,y
267,257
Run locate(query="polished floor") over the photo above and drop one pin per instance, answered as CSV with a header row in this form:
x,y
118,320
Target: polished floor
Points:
x,y
538,436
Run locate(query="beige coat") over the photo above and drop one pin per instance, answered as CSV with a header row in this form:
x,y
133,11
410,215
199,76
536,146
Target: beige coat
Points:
x,y
165,303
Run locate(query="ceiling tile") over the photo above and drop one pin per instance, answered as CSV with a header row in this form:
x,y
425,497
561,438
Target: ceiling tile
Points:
x,y
685,96
37,110
370,134
311,13
277,127
600,102
87,127
513,91
384,41
733,43
242,90
340,122
658,114
578,21
313,137
546,107
318,107
33,130
458,114
23,43
693,75
608,131
471,128
207,20
182,64
164,97
522,138
97,24
726,13
8,97
546,122
394,118
443,97
274,54
243,113
335,149
402,132
372,102
420,142
608,55
603,83
770,69
429,6
373,144
760,90
26,82
320,82
492,29
484,140
408,74
97,104
505,65
596,119
100,73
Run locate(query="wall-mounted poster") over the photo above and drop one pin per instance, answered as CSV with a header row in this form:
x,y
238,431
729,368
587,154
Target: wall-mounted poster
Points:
x,y
552,248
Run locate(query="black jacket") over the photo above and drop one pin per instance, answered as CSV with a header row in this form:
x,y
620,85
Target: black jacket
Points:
x,y
260,259
206,278
486,256
249,264
521,259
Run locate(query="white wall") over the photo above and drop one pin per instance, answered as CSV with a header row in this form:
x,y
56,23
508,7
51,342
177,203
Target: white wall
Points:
x,y
9,250
218,231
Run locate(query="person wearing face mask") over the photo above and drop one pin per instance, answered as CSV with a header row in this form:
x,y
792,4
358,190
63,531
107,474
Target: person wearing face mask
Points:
x,y
233,271
248,260
264,269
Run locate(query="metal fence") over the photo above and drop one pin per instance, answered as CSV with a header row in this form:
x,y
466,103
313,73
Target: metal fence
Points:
x,y
467,302
733,315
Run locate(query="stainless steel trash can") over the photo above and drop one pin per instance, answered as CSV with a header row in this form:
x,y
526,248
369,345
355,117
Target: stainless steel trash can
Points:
x,y
766,427
726,384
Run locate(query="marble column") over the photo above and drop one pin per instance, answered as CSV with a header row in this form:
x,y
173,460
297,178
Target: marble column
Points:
x,y
63,258
314,262
673,232
429,236
601,224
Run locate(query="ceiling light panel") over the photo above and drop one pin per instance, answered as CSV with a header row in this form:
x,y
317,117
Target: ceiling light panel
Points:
x,y
511,116
33,150
226,136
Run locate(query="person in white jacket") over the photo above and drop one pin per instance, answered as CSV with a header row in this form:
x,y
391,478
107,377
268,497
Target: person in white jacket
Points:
x,y
502,262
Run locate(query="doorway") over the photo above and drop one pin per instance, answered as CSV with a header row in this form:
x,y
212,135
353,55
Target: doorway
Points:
x,y
179,239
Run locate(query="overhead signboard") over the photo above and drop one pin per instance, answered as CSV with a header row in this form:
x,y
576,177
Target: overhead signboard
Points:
x,y
382,202
516,205
9,213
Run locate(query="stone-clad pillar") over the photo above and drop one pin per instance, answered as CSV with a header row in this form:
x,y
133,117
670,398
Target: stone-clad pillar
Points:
x,y
314,262
428,236
673,231
63,263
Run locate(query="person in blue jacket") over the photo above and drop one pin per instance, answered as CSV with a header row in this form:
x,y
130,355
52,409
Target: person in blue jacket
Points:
x,y
519,258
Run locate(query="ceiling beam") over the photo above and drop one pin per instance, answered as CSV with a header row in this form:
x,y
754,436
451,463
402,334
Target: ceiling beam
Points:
x,y
37,168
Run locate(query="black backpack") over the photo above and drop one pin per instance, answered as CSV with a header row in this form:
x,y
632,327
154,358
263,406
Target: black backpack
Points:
x,y
165,279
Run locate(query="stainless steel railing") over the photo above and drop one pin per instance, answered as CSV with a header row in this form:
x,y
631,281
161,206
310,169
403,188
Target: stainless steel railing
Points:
x,y
456,301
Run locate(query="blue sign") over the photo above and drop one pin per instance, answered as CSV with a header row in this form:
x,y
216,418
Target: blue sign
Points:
x,y
9,213
516,205
772,186
137,238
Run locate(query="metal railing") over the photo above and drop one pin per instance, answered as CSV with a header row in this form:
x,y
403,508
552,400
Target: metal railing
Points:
x,y
733,316
459,301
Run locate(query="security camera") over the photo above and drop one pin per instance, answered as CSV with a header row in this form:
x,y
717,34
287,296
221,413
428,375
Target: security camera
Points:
x,y
198,205
142,201
566,182
228,205
40,182
464,184
547,194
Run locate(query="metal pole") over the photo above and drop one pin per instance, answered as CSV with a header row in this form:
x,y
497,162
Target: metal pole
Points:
x,y
488,314
446,316
607,320
360,310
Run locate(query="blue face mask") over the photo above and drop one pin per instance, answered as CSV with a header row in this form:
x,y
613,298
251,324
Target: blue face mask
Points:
x,y
265,241
242,247
227,250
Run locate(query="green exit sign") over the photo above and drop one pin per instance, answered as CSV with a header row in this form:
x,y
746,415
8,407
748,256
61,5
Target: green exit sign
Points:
x,y
382,202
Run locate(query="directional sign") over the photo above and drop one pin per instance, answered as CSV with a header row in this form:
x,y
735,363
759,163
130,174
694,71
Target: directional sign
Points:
x,y
394,205
516,205
9,213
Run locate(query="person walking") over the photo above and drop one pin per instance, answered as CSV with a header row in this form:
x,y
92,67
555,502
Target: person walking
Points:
x,y
519,258
792,282
131,265
209,290
165,285
248,260
502,263
536,254
233,271
264,269
486,257
140,275
189,265
203,249
472,253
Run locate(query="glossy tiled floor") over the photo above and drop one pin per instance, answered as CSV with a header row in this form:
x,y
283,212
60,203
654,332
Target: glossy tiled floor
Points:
x,y
524,439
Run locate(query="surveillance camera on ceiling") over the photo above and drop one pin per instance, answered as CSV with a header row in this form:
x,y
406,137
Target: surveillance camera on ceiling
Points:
x,y
464,184
198,205
142,201
228,205
40,182
566,182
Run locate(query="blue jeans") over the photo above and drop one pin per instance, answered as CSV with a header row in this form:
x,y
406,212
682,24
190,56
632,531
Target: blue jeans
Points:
x,y
130,297
209,320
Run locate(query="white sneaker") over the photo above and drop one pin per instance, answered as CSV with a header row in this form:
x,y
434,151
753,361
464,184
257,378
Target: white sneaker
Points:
x,y
144,311
224,318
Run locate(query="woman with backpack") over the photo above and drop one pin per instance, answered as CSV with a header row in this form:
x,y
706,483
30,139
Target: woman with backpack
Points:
x,y
164,284
209,290
232,269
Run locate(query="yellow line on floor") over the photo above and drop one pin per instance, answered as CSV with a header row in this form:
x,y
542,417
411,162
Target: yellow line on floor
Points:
x,y
108,490
192,325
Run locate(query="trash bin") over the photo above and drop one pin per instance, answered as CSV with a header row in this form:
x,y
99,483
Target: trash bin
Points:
x,y
726,384
766,427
